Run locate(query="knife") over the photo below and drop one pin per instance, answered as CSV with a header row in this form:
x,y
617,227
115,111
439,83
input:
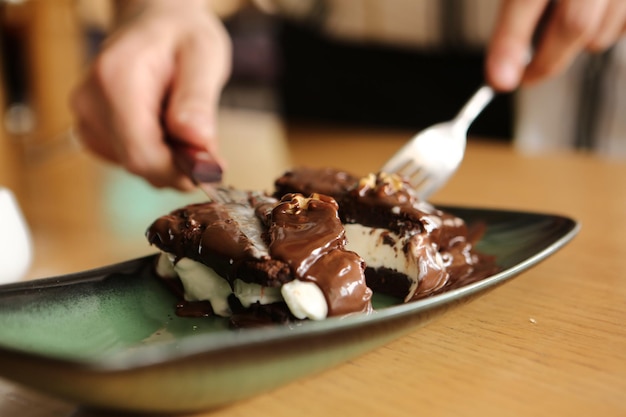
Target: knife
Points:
x,y
199,165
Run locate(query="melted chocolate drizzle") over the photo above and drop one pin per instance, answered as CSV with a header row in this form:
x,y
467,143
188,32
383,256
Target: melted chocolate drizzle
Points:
x,y
442,241
273,240
302,238
308,235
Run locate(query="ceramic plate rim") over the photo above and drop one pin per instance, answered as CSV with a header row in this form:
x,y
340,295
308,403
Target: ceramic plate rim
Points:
x,y
207,343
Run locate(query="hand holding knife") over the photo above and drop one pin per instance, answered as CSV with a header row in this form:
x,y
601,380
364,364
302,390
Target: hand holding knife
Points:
x,y
199,165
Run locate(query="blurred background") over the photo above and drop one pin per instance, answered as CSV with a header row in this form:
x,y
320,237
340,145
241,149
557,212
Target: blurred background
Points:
x,y
396,66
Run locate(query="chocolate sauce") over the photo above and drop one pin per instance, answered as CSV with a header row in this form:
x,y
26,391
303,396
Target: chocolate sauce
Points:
x,y
269,241
200,232
307,181
440,240
260,241
194,309
226,237
307,234
302,230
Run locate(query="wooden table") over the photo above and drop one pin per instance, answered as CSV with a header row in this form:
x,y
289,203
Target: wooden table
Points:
x,y
551,342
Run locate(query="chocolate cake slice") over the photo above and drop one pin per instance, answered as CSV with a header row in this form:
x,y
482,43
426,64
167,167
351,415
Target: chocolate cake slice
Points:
x,y
258,258
282,258
411,248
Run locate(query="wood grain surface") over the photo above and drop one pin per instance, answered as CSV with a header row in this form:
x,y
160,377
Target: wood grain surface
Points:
x,y
551,342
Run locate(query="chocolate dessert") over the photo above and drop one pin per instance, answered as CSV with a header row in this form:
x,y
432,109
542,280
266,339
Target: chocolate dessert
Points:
x,y
314,249
411,248
256,252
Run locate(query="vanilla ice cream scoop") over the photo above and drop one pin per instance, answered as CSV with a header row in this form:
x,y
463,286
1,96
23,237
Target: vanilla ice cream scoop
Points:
x,y
15,243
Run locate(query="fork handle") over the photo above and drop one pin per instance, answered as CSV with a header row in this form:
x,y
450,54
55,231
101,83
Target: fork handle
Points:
x,y
474,106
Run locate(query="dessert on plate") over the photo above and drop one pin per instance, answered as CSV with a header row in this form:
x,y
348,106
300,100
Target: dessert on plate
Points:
x,y
316,248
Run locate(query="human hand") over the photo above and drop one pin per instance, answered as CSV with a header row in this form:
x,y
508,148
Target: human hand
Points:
x,y
571,27
159,74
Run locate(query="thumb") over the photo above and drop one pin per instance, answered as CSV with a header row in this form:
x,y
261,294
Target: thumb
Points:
x,y
202,69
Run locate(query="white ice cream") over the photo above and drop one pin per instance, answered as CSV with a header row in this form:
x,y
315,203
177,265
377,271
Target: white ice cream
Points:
x,y
378,247
305,300
165,266
249,293
201,283
383,248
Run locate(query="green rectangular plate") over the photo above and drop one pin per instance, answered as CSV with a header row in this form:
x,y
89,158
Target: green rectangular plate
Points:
x,y
109,337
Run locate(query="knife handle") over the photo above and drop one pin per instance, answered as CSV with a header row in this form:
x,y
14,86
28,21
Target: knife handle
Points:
x,y
196,163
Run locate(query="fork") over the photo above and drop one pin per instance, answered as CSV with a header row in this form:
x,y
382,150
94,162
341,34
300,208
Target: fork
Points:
x,y
430,158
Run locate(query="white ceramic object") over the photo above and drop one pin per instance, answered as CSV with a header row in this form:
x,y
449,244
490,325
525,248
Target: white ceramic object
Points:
x,y
16,251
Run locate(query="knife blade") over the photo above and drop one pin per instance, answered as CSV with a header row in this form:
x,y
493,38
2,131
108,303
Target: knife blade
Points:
x,y
199,165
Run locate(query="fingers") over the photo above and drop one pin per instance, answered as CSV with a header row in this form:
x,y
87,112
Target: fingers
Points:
x,y
568,32
136,98
510,46
202,67
571,26
611,28
118,110
90,128
168,52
